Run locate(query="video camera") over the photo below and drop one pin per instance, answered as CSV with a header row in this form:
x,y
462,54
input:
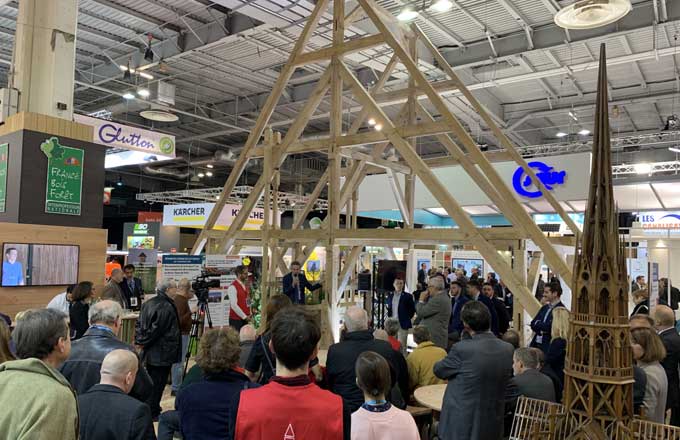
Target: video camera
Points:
x,y
202,284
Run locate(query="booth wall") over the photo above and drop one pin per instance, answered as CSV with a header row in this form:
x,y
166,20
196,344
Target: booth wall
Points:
x,y
92,244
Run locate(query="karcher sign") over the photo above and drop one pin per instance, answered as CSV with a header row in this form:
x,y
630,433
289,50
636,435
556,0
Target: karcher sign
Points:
x,y
195,215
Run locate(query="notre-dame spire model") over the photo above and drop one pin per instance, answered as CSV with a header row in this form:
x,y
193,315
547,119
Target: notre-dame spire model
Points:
x,y
599,373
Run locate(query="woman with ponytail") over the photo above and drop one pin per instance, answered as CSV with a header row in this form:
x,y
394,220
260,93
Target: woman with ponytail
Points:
x,y
377,419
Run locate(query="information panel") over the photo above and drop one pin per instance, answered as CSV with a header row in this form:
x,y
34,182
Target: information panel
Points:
x,y
64,177
4,152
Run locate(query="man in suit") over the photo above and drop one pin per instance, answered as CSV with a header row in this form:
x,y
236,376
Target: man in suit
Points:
x,y
499,306
112,289
434,310
638,284
132,288
478,371
664,322
422,275
295,283
542,323
400,306
475,291
530,382
458,300
106,410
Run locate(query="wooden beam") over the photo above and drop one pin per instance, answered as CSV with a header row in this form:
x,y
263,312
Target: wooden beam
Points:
x,y
348,269
348,47
379,162
262,120
320,185
398,196
498,133
420,169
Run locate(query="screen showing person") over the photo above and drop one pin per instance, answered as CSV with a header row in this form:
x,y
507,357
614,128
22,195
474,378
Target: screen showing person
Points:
x,y
12,268
39,264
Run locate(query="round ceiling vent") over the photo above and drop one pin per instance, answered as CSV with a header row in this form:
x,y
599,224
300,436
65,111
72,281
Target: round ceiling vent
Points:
x,y
159,115
589,14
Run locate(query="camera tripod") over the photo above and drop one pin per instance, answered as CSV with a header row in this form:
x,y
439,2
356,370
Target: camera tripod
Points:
x,y
197,319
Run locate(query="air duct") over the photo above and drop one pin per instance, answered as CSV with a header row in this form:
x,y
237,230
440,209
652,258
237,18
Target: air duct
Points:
x,y
163,171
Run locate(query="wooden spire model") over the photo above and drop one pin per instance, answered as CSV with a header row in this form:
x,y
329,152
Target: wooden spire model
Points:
x,y
598,393
599,369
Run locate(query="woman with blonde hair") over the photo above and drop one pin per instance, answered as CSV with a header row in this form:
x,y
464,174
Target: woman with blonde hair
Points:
x,y
641,300
557,350
648,351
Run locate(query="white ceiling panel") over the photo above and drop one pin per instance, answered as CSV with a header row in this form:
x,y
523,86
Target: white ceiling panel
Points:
x,y
635,197
480,210
669,193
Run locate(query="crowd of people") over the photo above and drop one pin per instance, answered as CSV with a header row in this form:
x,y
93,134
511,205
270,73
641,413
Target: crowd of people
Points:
x,y
77,379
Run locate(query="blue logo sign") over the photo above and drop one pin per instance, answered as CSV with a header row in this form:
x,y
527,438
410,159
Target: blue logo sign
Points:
x,y
545,173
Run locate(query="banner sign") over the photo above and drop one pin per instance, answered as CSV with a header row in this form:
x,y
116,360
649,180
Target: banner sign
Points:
x,y
116,135
181,266
4,153
196,214
659,220
64,177
149,217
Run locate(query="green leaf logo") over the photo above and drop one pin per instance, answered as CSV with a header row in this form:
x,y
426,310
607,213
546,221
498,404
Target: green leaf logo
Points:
x,y
166,145
52,149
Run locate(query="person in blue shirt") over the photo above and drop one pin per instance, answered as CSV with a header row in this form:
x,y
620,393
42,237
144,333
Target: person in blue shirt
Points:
x,y
12,270
295,282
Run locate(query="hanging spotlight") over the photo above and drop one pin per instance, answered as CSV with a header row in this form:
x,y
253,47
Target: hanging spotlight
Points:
x,y
378,127
209,173
560,134
128,95
146,75
675,149
407,15
120,181
144,93
201,175
211,166
584,132
441,6
643,168
148,53
371,122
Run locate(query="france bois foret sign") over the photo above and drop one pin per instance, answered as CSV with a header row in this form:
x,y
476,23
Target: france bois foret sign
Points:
x,y
64,177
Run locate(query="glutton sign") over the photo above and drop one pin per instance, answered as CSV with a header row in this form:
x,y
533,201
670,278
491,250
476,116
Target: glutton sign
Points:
x,y
116,135
523,185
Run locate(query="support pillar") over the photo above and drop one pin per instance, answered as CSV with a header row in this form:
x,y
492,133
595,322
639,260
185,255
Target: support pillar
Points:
x,y
44,56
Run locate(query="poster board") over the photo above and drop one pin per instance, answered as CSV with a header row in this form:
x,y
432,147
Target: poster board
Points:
x,y
221,266
653,286
181,266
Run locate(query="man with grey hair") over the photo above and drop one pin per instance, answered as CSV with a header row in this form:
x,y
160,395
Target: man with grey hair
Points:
x,y
246,336
341,360
530,382
112,289
434,310
106,410
392,328
158,333
82,367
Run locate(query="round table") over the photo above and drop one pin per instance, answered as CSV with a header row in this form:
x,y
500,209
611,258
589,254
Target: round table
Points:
x,y
431,396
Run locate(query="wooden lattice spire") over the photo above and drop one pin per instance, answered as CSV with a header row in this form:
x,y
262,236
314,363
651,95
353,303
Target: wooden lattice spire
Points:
x,y
599,373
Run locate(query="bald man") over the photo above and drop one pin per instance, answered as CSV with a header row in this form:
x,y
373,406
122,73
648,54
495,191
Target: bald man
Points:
x,y
106,410
664,322
113,291
640,320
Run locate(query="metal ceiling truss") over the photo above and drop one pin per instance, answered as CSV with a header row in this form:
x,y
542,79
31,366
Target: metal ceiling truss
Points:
x,y
654,168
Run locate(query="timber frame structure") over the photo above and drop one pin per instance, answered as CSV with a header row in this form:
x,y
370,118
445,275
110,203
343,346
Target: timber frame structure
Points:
x,y
401,132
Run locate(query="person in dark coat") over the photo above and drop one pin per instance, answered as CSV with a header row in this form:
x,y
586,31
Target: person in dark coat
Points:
x,y
641,300
205,405
295,283
78,309
529,380
499,306
422,275
341,359
540,286
664,321
475,291
132,288
400,305
542,323
82,367
159,335
106,410
458,300
557,350
478,371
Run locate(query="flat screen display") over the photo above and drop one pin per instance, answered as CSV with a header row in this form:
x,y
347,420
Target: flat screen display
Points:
x,y
468,264
25,264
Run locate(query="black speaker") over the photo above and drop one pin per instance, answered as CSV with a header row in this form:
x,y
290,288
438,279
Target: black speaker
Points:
x,y
364,282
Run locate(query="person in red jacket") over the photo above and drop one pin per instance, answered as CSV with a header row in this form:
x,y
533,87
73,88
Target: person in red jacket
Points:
x,y
239,299
290,406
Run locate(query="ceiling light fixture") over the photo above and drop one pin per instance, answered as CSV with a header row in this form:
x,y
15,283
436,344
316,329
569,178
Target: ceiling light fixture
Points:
x,y
371,122
643,168
146,75
201,175
211,166
120,181
128,95
590,14
675,149
584,132
407,15
378,127
560,134
209,173
144,93
573,116
441,6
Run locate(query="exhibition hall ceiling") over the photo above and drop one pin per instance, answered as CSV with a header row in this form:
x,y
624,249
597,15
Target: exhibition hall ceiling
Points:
x,y
222,57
